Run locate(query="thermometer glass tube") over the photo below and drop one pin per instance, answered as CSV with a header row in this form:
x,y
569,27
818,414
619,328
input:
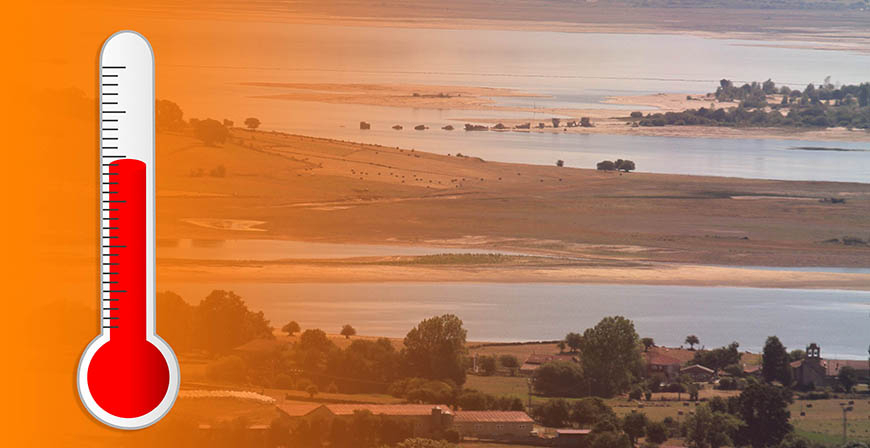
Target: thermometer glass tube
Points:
x,y
128,377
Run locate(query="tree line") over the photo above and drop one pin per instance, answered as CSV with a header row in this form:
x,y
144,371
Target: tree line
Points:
x,y
821,106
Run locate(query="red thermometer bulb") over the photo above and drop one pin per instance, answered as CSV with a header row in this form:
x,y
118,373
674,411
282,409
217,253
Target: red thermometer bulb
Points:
x,y
128,377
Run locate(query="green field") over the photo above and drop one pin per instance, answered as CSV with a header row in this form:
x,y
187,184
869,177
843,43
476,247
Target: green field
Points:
x,y
823,419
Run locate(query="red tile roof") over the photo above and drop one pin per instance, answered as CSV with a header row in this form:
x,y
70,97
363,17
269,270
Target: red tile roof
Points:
x,y
387,409
833,366
492,417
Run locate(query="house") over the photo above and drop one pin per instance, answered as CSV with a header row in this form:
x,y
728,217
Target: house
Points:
x,y
493,424
536,360
424,419
572,437
814,371
698,373
658,363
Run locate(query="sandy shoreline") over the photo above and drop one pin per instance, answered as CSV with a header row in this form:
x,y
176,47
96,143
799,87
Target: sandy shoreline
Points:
x,y
340,271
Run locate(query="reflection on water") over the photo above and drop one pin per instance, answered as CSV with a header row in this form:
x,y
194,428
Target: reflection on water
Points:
x,y
837,320
198,249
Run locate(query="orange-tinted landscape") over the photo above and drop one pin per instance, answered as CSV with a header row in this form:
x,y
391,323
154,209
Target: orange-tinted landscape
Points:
x,y
422,192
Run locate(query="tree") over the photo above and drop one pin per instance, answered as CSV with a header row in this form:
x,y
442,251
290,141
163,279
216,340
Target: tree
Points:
x,y
587,412
848,377
509,362
634,425
611,356
487,364
365,366
556,122
708,429
313,349
554,413
562,345
647,343
175,320
559,379
434,349
605,165
168,116
764,411
291,328
347,331
560,163
224,322
252,123
210,132
864,95
228,123
796,355
656,432
624,165
610,439
573,340
692,340
775,362
311,390
718,358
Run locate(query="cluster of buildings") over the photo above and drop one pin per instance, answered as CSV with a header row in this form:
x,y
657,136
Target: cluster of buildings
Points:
x,y
425,419
811,372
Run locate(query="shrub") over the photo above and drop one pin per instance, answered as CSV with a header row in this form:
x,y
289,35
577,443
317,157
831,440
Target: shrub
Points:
x,y
210,131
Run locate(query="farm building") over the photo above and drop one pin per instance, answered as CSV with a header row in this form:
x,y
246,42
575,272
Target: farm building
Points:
x,y
424,419
662,364
572,437
493,424
698,373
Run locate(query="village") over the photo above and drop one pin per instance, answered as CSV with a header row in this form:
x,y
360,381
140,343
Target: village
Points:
x,y
605,387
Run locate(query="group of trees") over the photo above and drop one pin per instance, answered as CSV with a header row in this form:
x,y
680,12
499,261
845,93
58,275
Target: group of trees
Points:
x,y
617,165
219,323
170,117
610,362
823,106
758,417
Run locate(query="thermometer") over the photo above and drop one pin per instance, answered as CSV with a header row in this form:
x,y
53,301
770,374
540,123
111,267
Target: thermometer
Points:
x,y
128,377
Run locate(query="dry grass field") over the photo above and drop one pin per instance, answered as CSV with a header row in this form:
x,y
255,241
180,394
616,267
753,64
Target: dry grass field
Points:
x,y
580,225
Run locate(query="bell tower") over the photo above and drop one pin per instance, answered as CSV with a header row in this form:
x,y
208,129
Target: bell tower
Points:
x,y
814,353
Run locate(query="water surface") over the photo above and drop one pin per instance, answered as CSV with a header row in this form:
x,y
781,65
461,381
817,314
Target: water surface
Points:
x,y
837,320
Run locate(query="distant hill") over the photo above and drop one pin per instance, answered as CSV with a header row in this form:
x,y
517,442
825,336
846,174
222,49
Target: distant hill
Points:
x,y
746,4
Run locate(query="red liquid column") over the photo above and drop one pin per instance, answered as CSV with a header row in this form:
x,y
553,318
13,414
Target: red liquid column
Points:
x,y
128,376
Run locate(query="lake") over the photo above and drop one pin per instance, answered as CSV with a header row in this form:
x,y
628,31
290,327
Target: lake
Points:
x,y
573,69
837,320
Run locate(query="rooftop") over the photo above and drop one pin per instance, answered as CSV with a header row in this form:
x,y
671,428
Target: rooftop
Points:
x,y
492,417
